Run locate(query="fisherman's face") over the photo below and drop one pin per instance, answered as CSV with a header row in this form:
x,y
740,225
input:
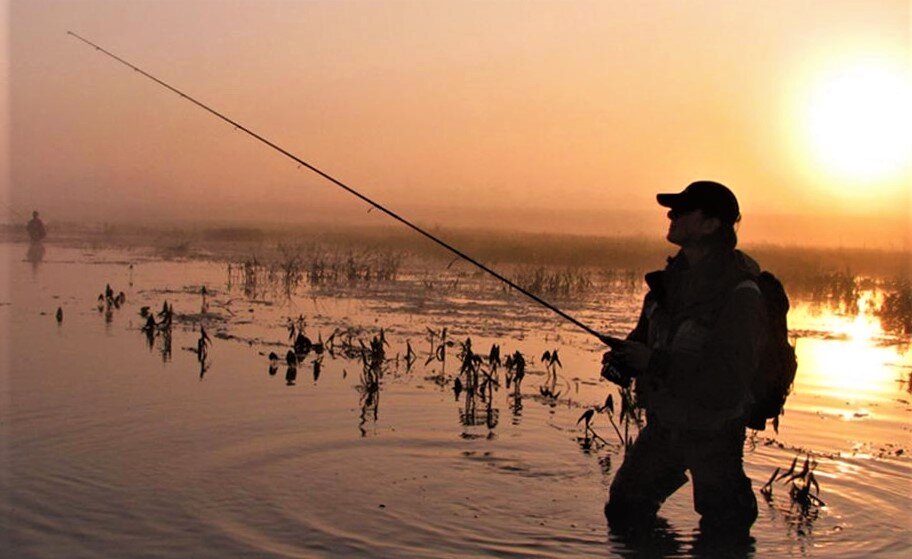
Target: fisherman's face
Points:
x,y
689,227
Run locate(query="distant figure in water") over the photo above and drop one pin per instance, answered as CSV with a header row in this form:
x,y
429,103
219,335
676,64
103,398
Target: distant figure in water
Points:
x,y
35,228
37,233
692,354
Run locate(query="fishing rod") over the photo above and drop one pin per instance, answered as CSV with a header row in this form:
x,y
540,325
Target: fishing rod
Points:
x,y
352,191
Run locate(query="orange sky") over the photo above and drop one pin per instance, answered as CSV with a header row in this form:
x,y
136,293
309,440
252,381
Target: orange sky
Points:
x,y
439,108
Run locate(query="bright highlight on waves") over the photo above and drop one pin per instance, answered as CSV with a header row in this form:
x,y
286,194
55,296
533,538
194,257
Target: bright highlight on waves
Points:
x,y
859,121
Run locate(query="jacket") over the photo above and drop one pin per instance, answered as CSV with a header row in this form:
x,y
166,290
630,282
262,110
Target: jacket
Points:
x,y
705,330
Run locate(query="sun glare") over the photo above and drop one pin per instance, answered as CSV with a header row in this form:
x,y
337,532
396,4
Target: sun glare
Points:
x,y
860,121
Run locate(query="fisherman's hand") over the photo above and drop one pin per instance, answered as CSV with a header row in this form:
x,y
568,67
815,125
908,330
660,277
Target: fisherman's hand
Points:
x,y
633,356
610,341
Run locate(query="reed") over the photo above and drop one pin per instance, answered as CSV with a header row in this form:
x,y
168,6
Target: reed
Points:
x,y
895,312
541,280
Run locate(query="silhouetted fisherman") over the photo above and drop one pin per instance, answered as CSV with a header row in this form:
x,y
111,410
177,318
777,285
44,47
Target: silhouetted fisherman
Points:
x,y
273,363
150,325
693,353
291,359
59,314
36,229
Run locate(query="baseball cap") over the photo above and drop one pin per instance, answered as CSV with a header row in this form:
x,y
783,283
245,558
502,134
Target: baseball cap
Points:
x,y
713,198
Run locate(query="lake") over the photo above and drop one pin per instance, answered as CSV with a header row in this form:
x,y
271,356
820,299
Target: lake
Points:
x,y
116,443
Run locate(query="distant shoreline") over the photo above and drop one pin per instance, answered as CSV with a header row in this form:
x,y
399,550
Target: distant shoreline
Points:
x,y
496,247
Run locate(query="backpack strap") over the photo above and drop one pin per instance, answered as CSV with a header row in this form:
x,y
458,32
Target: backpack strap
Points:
x,y
749,284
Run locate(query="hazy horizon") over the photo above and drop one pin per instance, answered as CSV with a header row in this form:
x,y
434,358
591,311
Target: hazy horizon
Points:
x,y
819,232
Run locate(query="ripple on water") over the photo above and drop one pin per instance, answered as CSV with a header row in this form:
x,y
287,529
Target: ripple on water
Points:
x,y
294,494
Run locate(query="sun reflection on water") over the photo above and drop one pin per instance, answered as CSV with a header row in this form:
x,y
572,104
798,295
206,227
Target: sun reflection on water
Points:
x,y
848,356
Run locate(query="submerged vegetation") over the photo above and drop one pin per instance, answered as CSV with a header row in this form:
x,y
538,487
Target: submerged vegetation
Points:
x,y
315,266
270,261
805,503
555,283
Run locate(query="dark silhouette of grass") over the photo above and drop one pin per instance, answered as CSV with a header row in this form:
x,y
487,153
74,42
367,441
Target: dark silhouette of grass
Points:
x,y
895,312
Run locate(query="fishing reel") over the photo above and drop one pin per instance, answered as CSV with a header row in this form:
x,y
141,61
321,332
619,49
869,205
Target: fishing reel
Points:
x,y
616,372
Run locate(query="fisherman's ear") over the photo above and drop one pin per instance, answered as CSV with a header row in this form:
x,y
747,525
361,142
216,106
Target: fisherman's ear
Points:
x,y
710,225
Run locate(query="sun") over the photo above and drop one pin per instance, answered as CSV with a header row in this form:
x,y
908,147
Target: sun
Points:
x,y
859,121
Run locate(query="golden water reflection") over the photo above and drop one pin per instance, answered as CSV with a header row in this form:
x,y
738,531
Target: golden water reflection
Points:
x,y
849,356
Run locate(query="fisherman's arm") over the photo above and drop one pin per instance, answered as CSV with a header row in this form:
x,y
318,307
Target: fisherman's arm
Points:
x,y
621,349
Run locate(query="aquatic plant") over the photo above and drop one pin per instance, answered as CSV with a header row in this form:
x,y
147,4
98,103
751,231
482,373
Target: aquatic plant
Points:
x,y
107,302
494,358
895,312
324,267
590,437
302,344
317,367
516,370
542,280
552,362
630,416
373,361
438,352
158,330
291,374
410,356
166,317
165,347
291,270
469,415
804,490
480,384
202,345
291,359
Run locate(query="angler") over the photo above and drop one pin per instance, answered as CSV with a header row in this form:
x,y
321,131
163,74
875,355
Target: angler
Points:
x,y
694,354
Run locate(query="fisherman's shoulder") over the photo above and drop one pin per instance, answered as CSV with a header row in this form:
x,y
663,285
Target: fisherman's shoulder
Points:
x,y
746,264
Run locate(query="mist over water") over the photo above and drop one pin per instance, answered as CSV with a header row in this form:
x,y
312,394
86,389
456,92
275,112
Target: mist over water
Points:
x,y
121,444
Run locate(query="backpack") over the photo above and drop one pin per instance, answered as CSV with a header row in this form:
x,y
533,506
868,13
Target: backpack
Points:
x,y
775,373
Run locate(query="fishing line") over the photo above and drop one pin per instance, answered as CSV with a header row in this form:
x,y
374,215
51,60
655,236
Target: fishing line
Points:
x,y
347,188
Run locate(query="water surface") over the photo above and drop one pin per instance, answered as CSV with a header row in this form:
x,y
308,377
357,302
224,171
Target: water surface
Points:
x,y
112,446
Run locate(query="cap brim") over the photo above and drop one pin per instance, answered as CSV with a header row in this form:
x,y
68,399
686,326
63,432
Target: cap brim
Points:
x,y
677,200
